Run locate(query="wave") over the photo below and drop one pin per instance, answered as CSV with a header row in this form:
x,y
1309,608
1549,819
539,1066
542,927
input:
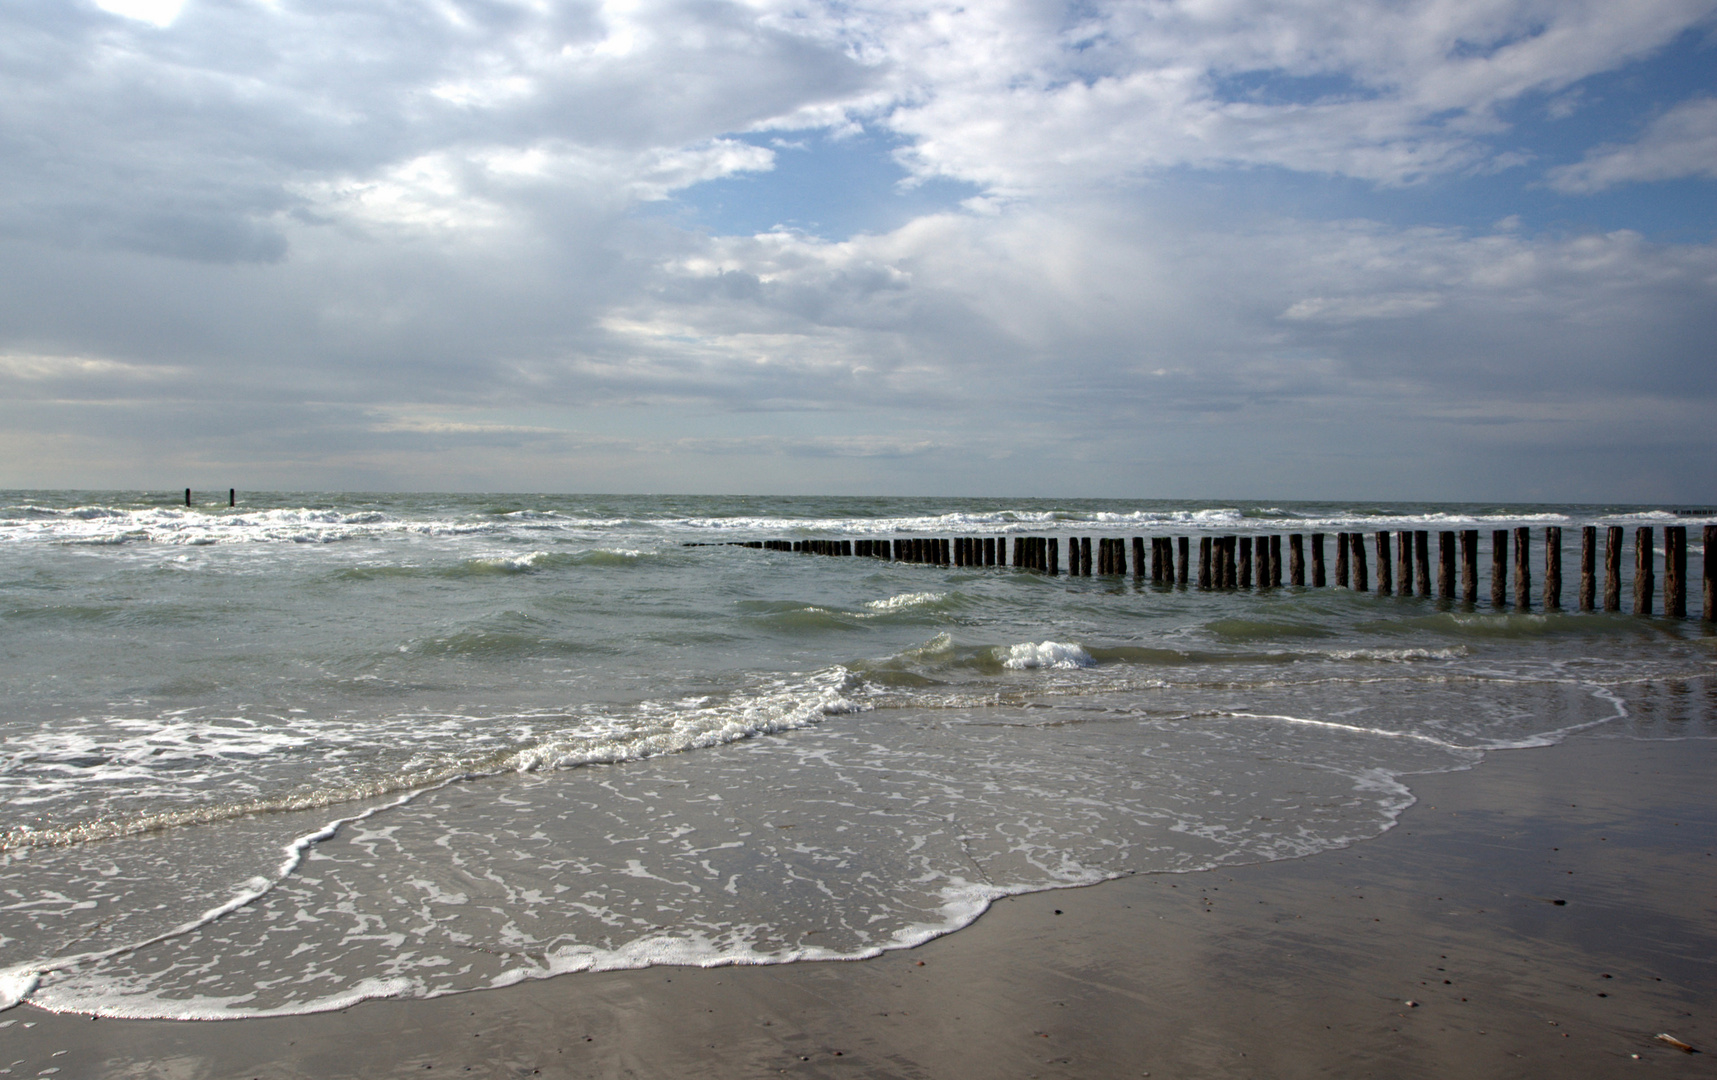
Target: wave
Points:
x,y
184,759
315,525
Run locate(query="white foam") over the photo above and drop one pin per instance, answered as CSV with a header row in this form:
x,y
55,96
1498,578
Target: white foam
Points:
x,y
1046,654
905,600
1400,656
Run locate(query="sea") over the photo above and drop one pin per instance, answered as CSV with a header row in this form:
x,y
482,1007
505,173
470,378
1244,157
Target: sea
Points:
x,y
312,749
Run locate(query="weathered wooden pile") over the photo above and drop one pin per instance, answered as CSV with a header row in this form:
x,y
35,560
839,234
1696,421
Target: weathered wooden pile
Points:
x,y
1403,562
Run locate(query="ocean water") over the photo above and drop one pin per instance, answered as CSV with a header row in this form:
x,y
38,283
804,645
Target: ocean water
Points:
x,y
319,748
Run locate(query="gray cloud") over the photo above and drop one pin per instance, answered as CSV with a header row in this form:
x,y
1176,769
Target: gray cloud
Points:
x,y
398,244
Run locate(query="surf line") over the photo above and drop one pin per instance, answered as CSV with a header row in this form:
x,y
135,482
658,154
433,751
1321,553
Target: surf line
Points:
x,y
20,981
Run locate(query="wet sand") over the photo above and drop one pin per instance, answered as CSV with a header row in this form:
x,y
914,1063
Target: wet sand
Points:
x,y
1439,949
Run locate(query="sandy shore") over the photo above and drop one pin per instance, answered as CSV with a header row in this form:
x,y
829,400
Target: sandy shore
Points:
x,y
1546,914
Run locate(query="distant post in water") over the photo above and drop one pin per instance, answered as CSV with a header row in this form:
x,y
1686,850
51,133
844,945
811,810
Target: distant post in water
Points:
x,y
1084,557
1711,573
1588,567
1053,558
1296,560
1341,560
1385,573
1204,562
1317,560
1675,571
1404,563
1275,561
1446,564
1645,570
1553,568
1422,561
1469,566
1245,561
187,496
1138,557
1499,568
1361,576
232,496
1182,569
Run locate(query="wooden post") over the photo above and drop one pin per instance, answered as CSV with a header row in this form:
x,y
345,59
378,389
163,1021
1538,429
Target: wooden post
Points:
x,y
1675,571
1156,560
1645,570
942,548
187,496
1296,560
1422,561
1385,573
1404,563
1275,561
1469,566
1361,575
1138,557
1523,568
1613,568
1588,566
232,496
1204,562
1341,560
1675,577
1499,568
1553,568
1261,562
1711,573
1318,560
959,551
1053,551
1182,568
1245,562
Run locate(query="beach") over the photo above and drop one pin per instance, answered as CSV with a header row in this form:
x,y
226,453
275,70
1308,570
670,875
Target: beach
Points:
x,y
1436,949
347,783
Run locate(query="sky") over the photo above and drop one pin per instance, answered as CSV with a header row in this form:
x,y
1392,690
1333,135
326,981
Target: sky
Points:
x,y
1213,249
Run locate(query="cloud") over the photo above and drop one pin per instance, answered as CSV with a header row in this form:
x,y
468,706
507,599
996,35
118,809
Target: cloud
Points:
x,y
433,244
1680,143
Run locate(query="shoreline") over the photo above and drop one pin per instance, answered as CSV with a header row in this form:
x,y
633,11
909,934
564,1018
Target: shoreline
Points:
x,y
1328,965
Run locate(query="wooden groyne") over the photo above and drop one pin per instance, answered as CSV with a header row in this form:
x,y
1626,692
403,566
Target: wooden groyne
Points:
x,y
1234,562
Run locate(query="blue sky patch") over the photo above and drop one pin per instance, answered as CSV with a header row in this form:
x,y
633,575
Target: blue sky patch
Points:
x,y
833,188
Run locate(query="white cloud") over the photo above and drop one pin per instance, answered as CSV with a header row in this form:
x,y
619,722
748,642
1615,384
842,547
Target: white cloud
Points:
x,y
159,13
1681,142
362,238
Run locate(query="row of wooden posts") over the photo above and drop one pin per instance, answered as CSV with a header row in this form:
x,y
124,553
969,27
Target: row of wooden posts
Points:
x,y
1403,562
